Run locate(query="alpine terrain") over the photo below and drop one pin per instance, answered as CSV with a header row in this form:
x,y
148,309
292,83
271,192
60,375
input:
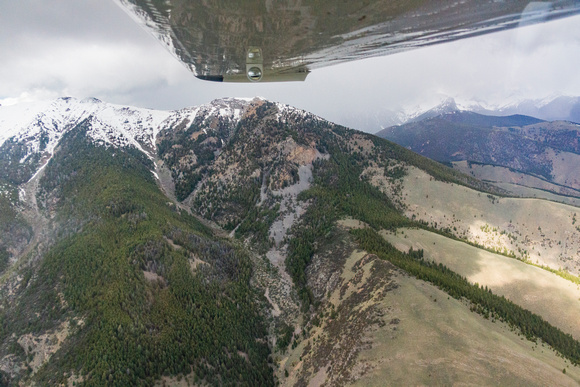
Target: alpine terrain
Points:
x,y
521,154
245,242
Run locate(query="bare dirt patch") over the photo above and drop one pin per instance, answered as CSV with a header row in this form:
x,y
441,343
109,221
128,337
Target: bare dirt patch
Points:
x,y
350,223
177,381
74,380
153,277
327,354
42,347
303,155
172,243
275,308
194,262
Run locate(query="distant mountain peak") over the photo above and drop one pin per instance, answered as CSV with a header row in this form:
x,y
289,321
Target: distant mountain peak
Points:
x,y
90,100
555,107
446,107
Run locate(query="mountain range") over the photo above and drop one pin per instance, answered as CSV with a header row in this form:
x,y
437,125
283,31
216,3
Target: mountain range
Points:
x,y
515,152
246,242
552,108
556,108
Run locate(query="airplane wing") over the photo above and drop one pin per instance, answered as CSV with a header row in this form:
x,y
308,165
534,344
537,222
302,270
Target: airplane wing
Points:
x,y
283,40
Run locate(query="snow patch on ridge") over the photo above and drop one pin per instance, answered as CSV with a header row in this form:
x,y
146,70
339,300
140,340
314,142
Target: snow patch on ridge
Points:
x,y
21,194
287,112
38,127
39,170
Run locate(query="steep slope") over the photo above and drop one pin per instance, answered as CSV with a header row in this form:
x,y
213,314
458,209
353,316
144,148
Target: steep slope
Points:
x,y
222,245
533,230
320,173
125,275
531,287
30,133
382,326
32,139
119,263
15,230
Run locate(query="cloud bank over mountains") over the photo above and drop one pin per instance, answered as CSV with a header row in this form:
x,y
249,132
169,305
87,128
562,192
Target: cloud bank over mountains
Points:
x,y
93,49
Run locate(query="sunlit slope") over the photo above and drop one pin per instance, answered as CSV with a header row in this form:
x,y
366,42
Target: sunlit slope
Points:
x,y
555,299
383,327
526,192
516,181
541,231
438,341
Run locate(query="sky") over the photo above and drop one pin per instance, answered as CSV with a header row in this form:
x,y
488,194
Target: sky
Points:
x,y
92,48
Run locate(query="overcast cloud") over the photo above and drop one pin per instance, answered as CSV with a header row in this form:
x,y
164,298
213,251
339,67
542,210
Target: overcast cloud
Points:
x,y
54,48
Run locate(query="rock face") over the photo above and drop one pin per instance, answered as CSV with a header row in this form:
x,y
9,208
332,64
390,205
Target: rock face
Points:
x,y
217,245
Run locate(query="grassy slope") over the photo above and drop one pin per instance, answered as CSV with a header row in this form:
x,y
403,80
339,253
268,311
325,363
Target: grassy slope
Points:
x,y
438,341
555,299
527,192
502,175
393,328
543,231
482,298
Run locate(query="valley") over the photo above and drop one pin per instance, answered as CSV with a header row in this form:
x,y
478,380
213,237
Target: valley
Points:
x,y
235,243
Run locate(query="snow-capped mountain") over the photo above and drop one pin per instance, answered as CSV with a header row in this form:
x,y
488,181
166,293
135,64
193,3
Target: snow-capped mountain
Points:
x,y
447,106
551,108
377,120
32,131
244,238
